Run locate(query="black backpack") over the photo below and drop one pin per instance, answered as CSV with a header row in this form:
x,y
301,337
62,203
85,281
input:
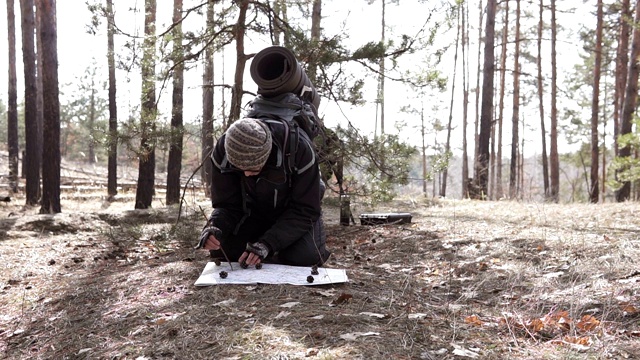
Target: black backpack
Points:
x,y
298,116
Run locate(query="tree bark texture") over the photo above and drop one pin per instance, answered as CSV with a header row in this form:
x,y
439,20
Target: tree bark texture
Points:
x,y
630,102
112,166
12,106
465,93
51,109
32,145
383,40
316,17
545,160
486,115
39,100
277,22
476,122
241,61
146,156
554,170
207,106
515,117
91,158
622,66
594,191
174,165
500,120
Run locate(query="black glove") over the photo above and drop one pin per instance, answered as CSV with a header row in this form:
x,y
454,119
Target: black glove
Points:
x,y
206,232
259,248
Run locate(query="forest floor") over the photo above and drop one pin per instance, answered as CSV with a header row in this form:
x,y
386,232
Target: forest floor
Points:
x,y
464,280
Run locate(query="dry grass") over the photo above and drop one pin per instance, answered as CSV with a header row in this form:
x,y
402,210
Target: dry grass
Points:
x,y
485,280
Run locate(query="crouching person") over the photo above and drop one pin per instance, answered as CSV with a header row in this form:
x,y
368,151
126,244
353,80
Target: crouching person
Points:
x,y
266,193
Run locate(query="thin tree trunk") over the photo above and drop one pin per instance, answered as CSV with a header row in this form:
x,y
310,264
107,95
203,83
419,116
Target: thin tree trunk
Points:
x,y
545,160
91,158
553,155
241,61
12,110
278,27
481,173
316,18
603,186
383,40
629,105
112,166
424,152
147,157
477,120
465,151
492,151
51,109
207,106
285,19
622,63
465,86
515,119
520,190
503,76
32,152
447,146
39,71
174,165
594,191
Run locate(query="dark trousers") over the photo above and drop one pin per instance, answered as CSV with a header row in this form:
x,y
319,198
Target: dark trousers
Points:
x,y
309,250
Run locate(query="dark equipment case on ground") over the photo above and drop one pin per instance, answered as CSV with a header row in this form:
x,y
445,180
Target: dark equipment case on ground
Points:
x,y
385,218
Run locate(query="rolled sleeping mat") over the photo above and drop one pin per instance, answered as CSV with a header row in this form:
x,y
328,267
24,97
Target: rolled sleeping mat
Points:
x,y
276,71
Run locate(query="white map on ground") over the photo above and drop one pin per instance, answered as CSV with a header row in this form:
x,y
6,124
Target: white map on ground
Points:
x,y
269,274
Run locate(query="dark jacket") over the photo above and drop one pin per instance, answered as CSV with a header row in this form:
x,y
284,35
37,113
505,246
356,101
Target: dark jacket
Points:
x,y
289,200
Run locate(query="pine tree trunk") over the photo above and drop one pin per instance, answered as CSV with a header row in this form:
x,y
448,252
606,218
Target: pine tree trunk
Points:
x,y
285,20
207,107
32,153
553,154
12,109
465,85
112,166
476,123
594,191
495,159
174,164
91,157
629,105
486,115
424,152
465,150
515,119
147,157
241,61
278,27
383,40
316,17
39,71
545,160
622,61
51,109
503,76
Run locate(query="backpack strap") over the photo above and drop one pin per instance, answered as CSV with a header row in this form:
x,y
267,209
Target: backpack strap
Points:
x,y
289,107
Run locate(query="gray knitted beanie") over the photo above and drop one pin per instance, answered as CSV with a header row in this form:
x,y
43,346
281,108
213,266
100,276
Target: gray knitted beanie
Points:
x,y
248,144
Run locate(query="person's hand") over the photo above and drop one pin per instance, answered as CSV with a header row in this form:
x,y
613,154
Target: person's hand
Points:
x,y
254,254
209,239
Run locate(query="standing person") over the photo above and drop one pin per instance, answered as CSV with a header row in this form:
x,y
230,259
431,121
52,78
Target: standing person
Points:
x,y
266,193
